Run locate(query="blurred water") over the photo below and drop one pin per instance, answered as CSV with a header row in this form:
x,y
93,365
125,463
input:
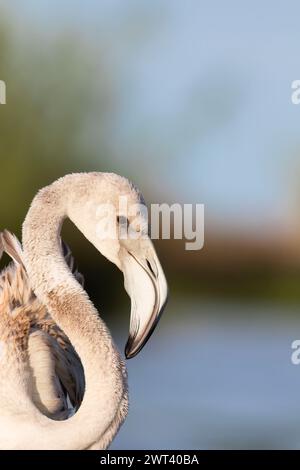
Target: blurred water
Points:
x,y
217,379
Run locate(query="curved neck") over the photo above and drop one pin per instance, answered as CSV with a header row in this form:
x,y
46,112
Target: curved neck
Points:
x,y
74,313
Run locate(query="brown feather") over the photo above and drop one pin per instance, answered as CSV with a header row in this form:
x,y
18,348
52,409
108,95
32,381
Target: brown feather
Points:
x,y
22,317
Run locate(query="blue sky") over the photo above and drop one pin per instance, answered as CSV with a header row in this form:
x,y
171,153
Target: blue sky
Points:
x,y
207,91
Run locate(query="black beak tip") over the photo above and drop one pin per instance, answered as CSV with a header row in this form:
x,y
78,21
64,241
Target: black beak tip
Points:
x,y
132,349
129,354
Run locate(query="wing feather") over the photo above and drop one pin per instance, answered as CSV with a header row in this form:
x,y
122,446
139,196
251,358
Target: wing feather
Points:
x,y
57,373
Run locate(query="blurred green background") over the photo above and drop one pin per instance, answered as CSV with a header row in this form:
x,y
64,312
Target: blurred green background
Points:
x,y
191,101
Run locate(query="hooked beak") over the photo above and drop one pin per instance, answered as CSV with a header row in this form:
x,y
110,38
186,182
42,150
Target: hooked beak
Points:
x,y
146,285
